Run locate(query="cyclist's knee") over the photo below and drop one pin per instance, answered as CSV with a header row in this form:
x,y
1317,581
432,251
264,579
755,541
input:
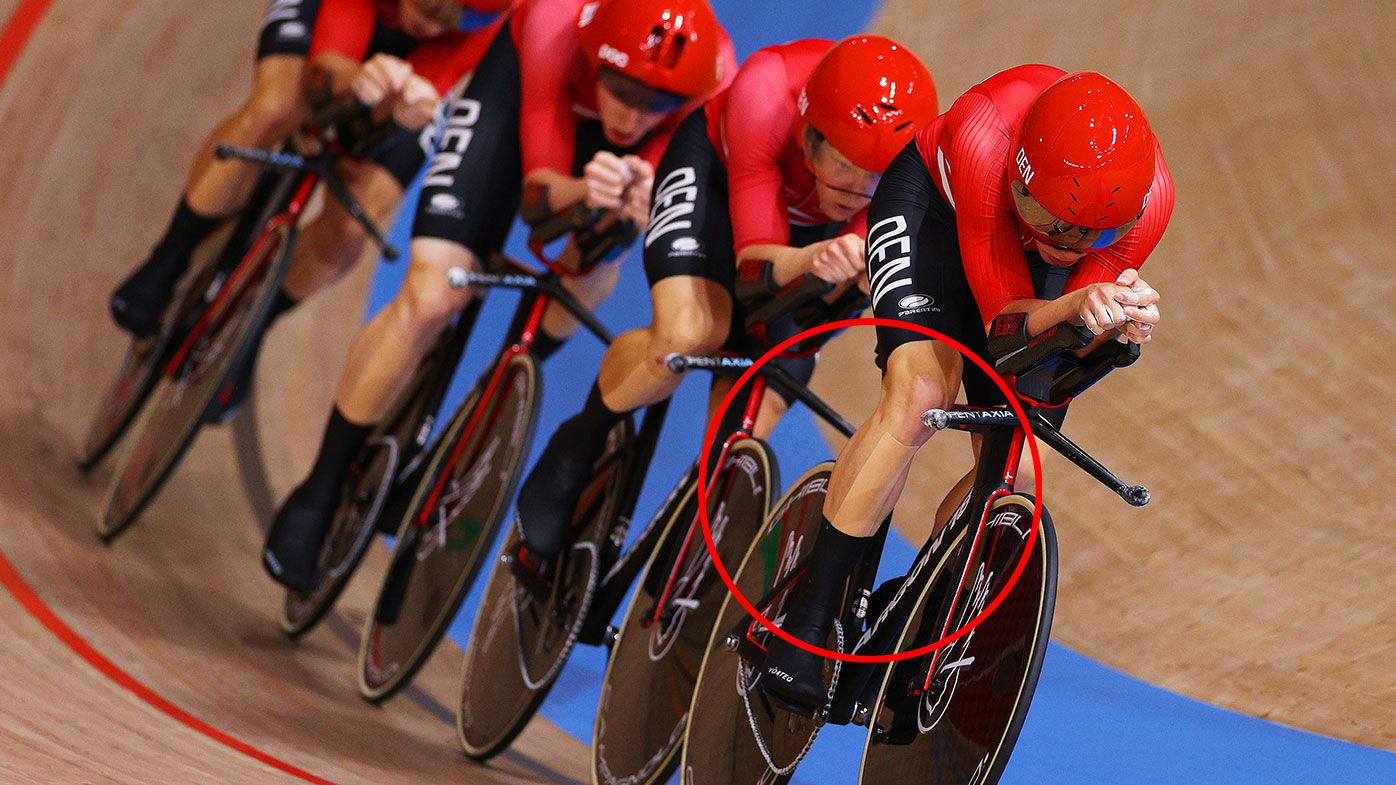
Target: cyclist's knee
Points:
x,y
687,329
426,302
914,382
273,113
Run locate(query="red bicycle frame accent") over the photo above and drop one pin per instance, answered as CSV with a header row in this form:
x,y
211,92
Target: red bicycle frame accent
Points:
x,y
527,336
1010,472
749,413
286,218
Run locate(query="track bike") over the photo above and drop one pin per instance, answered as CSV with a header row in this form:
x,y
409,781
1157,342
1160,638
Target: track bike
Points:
x,y
951,715
454,503
529,622
177,380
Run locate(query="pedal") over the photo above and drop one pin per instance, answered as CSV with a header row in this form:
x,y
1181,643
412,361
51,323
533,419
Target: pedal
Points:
x,y
533,577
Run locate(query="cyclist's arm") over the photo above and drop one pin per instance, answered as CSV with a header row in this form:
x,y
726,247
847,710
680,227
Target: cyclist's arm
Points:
x,y
559,190
343,31
548,48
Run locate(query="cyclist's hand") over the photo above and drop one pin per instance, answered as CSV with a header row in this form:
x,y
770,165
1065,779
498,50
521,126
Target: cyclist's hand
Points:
x,y
415,106
840,260
636,206
1140,295
606,178
1098,308
381,78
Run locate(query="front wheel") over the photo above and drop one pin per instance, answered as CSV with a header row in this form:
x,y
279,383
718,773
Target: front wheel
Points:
x,y
522,637
452,520
654,662
959,723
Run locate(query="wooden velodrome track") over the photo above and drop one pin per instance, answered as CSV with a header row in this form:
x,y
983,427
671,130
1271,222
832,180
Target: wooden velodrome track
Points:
x,y
1259,579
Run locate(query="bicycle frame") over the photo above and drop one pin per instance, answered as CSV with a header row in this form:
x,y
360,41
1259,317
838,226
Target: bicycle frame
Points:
x,y
996,473
541,291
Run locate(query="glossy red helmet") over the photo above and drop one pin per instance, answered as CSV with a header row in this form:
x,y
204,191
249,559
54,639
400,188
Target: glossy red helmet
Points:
x,y
669,45
1085,152
869,96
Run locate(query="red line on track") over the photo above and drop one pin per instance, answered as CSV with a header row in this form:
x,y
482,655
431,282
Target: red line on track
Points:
x,y
16,32
25,595
13,36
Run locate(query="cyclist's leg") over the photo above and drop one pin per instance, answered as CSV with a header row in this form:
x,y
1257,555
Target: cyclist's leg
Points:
x,y
469,197
217,189
917,374
690,285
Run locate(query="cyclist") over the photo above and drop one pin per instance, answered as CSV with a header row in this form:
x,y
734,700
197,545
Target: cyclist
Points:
x,y
779,167
572,103
1039,193
325,43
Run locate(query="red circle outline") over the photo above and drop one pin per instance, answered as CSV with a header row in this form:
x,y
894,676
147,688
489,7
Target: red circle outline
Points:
x,y
711,434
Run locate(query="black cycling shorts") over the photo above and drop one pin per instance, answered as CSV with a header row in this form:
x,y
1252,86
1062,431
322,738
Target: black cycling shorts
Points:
x,y
690,231
473,184
287,28
917,275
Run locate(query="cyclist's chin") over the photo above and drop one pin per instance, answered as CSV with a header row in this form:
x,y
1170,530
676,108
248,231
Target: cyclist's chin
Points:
x,y
839,210
1058,257
621,138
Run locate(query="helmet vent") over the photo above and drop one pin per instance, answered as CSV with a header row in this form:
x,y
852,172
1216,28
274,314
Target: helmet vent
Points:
x,y
863,113
665,49
903,126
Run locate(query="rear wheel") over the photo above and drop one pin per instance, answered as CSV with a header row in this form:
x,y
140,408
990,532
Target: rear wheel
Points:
x,y
180,399
654,662
736,736
451,523
523,636
961,727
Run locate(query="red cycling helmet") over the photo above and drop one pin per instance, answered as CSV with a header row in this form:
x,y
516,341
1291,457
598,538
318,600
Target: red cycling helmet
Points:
x,y
1085,152
674,46
869,96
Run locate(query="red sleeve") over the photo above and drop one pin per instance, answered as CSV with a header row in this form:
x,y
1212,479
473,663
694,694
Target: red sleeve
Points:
x,y
977,164
1105,266
755,130
344,27
548,49
444,61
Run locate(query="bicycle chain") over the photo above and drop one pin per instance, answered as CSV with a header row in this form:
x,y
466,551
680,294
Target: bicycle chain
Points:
x,y
781,771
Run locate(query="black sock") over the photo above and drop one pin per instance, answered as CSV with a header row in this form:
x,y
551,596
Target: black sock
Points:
x,y
186,230
599,419
343,441
545,346
820,589
279,306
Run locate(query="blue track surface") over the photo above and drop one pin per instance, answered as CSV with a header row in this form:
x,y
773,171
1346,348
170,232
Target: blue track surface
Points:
x,y
1088,723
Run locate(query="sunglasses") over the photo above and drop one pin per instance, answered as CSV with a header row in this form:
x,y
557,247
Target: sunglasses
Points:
x,y
873,180
638,95
1060,235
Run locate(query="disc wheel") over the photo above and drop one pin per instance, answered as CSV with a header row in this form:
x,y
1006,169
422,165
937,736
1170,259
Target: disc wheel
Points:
x,y
721,745
453,518
175,411
522,637
961,729
653,667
